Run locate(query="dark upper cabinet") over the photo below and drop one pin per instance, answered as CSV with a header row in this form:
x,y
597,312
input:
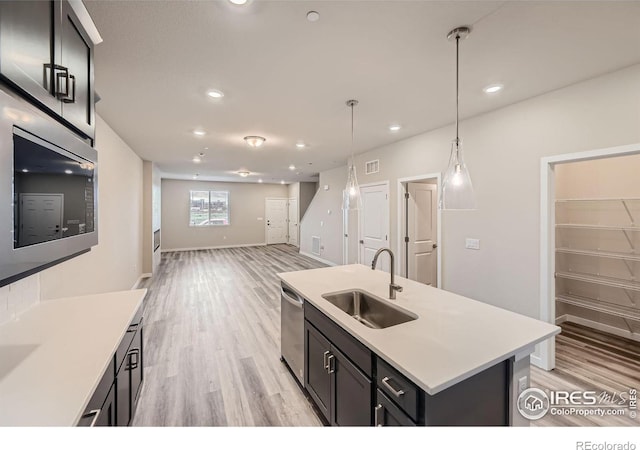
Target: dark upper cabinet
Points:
x,y
75,89
26,48
48,56
350,392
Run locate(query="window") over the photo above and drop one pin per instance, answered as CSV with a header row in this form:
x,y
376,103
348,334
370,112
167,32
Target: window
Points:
x,y
209,208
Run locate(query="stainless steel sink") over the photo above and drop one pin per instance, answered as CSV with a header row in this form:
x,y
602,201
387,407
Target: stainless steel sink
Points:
x,y
368,309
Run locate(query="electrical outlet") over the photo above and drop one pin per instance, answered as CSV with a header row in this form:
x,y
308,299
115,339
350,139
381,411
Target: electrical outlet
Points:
x,y
523,384
472,244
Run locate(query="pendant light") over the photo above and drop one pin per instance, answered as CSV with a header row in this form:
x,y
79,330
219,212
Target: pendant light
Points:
x,y
351,196
457,190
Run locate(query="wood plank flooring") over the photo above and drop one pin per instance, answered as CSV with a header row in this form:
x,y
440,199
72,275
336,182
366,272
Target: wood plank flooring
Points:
x,y
212,341
587,359
212,347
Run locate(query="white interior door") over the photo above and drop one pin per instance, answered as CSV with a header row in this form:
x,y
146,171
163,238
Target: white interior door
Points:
x,y
422,231
276,214
40,218
374,224
293,221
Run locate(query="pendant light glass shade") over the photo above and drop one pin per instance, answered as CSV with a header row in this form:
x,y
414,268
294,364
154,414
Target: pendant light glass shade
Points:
x,y
457,189
351,200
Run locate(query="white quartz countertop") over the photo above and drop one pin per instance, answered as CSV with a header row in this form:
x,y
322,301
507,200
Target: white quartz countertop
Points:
x,y
453,338
53,356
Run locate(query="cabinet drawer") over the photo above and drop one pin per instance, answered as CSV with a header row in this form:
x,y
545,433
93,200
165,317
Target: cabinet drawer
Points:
x,y
387,414
123,348
398,388
348,345
94,408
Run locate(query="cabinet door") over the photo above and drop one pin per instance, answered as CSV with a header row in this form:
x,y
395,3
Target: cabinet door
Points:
x,y
135,367
26,50
123,394
317,379
351,403
107,415
75,53
387,414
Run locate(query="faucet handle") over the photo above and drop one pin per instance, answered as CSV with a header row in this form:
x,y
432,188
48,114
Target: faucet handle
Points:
x,y
396,287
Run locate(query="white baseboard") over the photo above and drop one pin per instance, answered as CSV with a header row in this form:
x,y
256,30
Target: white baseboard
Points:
x,y
216,247
536,361
602,327
317,258
139,280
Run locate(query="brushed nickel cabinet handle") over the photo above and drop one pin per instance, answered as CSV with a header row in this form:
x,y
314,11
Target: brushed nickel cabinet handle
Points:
x,y
378,416
385,383
326,363
332,365
95,413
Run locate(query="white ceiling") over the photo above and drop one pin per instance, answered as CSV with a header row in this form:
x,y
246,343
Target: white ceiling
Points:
x,y
287,79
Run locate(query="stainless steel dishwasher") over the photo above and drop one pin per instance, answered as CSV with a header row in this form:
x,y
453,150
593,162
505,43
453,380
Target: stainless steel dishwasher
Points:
x,y
292,331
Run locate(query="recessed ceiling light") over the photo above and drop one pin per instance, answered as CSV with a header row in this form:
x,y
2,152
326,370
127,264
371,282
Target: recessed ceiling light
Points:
x,y
313,16
215,94
68,172
281,181
292,167
254,141
199,132
244,173
394,127
493,88
238,2
197,159
260,180
25,170
300,145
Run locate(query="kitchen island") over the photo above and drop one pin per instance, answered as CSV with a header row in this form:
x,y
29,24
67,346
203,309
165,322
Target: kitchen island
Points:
x,y
451,345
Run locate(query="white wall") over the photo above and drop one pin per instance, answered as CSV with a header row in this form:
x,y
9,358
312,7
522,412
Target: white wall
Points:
x,y
324,216
502,150
247,225
116,262
151,215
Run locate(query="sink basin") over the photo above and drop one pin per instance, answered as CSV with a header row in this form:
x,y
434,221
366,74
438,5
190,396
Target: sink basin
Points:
x,y
368,309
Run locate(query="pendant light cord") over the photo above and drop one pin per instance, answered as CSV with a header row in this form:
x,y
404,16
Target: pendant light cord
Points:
x,y
457,86
352,159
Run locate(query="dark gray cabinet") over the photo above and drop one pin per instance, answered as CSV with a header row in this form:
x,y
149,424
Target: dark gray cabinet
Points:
x,y
47,55
387,414
350,392
114,401
340,388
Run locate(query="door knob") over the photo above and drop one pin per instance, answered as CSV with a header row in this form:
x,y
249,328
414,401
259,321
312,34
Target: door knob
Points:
x,y
435,245
361,241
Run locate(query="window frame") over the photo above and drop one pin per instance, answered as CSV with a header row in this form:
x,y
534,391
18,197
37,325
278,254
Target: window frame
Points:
x,y
209,219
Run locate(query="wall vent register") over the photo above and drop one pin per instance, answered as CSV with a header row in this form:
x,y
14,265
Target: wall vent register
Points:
x,y
371,167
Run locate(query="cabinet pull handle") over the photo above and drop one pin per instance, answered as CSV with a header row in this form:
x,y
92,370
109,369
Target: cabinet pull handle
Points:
x,y
133,364
326,363
332,365
95,413
385,382
73,90
378,416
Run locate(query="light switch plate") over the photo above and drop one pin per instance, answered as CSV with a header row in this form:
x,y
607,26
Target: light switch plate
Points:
x,y
472,244
523,384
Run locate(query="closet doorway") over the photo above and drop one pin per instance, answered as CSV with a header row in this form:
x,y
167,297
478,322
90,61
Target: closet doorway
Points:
x,y
590,263
419,229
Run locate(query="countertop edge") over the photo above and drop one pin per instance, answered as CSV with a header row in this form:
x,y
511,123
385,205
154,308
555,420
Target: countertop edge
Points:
x,y
431,390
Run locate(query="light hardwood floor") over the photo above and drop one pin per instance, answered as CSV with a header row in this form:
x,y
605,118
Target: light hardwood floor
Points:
x,y
587,359
212,341
212,346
